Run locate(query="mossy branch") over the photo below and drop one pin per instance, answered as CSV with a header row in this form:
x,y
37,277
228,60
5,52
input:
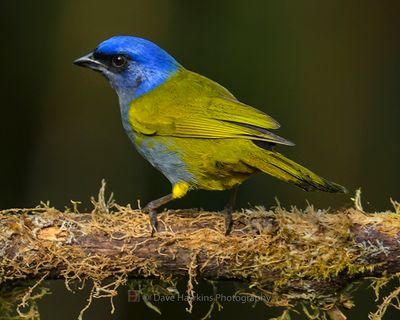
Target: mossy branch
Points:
x,y
289,255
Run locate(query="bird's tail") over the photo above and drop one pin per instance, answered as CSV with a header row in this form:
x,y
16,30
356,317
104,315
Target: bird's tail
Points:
x,y
280,167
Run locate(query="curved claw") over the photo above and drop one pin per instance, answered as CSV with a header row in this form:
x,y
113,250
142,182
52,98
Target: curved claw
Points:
x,y
151,209
229,209
152,212
153,221
228,221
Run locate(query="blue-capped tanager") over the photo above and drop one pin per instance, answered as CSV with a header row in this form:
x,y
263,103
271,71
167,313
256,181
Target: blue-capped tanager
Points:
x,y
191,128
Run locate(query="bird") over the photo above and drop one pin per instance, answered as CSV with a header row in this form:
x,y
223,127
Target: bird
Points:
x,y
190,128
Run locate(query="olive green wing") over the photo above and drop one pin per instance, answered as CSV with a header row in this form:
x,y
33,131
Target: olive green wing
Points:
x,y
211,118
227,118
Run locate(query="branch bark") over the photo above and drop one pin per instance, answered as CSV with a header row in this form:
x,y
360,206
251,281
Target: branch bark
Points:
x,y
291,255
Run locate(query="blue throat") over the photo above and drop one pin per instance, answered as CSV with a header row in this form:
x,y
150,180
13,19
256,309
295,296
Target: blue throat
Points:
x,y
149,67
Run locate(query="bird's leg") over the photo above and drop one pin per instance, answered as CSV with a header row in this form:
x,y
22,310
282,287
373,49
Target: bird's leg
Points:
x,y
151,209
179,189
230,206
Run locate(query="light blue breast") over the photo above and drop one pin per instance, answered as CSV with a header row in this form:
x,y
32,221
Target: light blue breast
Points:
x,y
158,151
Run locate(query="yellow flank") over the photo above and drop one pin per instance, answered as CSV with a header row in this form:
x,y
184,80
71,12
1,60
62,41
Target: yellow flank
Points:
x,y
180,189
200,137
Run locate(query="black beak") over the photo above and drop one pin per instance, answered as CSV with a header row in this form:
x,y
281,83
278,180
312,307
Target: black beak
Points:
x,y
88,61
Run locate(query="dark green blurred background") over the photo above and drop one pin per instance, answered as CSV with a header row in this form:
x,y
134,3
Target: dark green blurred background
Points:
x,y
328,71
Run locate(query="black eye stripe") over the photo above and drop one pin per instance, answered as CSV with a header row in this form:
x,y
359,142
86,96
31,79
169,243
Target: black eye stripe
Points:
x,y
100,56
116,62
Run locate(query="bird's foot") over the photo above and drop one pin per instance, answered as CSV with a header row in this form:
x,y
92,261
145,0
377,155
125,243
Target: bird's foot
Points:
x,y
153,222
228,220
151,209
153,219
230,206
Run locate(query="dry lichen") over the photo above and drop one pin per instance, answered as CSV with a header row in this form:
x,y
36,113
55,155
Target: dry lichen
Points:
x,y
284,260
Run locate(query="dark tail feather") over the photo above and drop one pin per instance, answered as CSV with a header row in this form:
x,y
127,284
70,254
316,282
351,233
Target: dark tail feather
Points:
x,y
279,166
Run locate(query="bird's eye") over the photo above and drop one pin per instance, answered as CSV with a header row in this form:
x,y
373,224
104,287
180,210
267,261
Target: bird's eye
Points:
x,y
119,61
